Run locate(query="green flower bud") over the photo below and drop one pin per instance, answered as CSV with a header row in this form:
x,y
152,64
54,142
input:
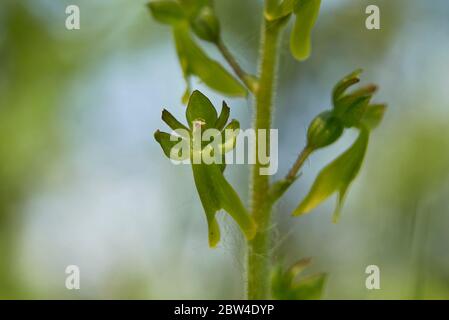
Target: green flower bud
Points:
x,y
206,25
324,130
167,12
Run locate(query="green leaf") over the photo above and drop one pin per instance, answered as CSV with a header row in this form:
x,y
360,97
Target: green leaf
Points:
x,y
172,122
336,177
192,7
220,125
342,85
215,194
183,58
200,108
351,112
170,143
167,12
310,288
229,140
373,115
277,9
284,286
342,104
195,62
351,107
306,15
272,5
187,93
224,117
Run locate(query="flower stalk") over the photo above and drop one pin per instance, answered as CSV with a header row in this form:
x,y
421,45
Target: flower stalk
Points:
x,y
259,258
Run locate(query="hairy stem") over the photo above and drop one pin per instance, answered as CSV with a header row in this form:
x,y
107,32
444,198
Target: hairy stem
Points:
x,y
258,270
249,81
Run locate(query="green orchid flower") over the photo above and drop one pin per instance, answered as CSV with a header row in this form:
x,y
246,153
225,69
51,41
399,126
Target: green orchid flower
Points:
x,y
350,110
207,160
197,16
284,285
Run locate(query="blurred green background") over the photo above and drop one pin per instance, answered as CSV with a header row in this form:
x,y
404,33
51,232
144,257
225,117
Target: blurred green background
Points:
x,y
83,182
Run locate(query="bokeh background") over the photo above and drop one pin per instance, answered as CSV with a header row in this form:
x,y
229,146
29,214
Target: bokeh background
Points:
x,y
83,182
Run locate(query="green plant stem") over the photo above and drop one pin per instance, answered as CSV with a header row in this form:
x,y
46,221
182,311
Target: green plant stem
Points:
x,y
249,81
302,157
278,188
259,260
